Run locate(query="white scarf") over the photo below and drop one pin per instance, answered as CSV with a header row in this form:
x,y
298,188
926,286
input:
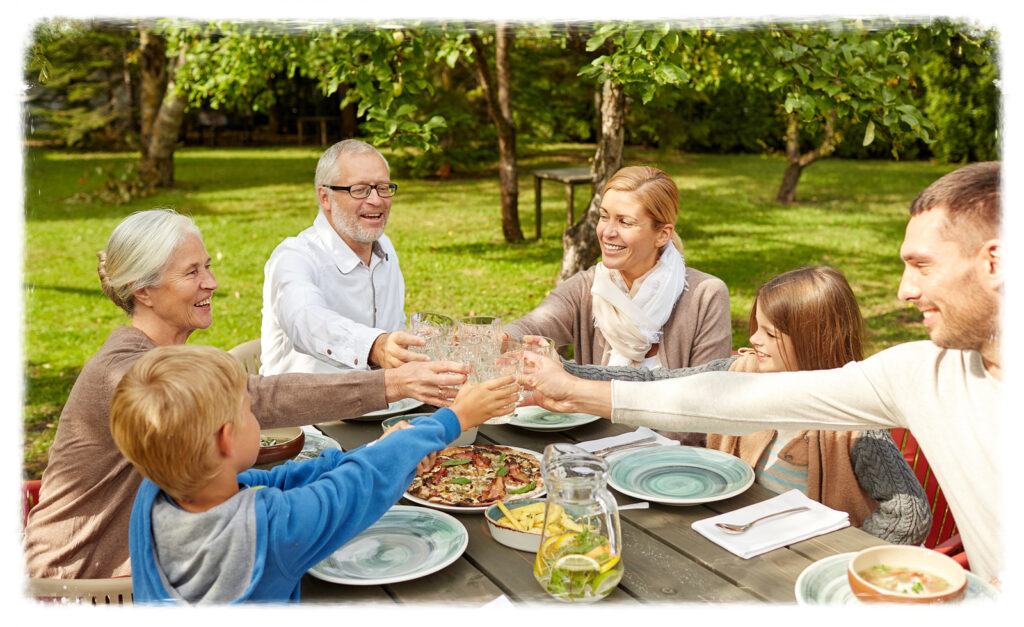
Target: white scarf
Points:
x,y
633,324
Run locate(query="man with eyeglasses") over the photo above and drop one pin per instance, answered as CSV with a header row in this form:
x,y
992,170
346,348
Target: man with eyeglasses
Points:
x,y
334,296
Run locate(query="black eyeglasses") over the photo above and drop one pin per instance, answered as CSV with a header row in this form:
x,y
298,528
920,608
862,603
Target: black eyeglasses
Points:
x,y
363,191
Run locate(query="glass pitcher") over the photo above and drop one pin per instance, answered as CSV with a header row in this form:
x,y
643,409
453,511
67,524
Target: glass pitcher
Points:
x,y
580,554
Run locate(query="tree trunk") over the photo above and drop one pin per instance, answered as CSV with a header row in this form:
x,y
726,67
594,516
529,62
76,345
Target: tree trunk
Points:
x,y
796,162
162,112
580,248
153,83
498,93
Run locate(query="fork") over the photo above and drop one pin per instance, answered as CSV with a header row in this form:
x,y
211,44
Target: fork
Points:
x,y
741,528
619,447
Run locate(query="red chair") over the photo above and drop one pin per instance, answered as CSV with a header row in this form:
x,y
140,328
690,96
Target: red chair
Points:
x,y
943,536
29,498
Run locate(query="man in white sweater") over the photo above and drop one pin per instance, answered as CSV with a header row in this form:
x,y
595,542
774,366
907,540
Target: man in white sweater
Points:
x,y
947,391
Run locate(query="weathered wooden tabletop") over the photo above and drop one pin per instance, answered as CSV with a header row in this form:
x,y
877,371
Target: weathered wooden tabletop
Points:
x,y
665,559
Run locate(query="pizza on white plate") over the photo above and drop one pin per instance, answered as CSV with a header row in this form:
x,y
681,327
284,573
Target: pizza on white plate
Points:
x,y
478,475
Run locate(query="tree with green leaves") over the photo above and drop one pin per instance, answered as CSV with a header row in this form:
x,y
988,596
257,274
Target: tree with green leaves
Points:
x,y
832,76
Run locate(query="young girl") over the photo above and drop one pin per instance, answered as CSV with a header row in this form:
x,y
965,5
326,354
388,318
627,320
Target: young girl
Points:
x,y
808,319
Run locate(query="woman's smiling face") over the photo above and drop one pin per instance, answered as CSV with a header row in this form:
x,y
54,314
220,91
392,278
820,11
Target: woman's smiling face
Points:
x,y
773,348
630,240
182,300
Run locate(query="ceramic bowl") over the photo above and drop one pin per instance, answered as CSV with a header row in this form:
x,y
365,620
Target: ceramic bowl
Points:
x,y
910,557
289,443
467,437
521,540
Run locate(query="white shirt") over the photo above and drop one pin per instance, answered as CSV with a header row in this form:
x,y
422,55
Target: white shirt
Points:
x,y
323,307
947,399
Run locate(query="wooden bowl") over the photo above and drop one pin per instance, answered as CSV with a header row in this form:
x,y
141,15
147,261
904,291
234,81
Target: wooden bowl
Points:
x,y
914,558
289,443
467,437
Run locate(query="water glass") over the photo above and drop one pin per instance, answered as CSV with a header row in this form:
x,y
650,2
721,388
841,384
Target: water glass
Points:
x,y
436,329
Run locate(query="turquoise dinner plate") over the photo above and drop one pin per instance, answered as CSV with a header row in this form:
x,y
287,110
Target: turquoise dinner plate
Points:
x,y
679,475
539,419
405,543
825,583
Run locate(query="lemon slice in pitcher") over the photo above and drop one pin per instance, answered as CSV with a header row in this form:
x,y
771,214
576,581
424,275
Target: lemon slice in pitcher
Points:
x,y
577,563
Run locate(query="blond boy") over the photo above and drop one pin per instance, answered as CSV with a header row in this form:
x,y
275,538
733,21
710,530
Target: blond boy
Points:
x,y
200,532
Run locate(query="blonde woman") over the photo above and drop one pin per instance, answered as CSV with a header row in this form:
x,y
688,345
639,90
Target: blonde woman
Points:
x,y
641,305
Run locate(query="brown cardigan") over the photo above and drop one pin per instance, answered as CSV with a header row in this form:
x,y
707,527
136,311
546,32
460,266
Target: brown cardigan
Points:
x,y
831,479
698,330
79,529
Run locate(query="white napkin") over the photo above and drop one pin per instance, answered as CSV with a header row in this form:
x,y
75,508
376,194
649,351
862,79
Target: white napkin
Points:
x,y
773,533
626,438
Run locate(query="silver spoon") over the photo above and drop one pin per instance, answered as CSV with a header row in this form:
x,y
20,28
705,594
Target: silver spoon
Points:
x,y
742,528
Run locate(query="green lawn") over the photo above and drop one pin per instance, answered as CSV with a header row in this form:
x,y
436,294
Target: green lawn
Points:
x,y
851,215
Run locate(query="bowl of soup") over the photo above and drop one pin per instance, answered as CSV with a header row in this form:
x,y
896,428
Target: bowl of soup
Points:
x,y
905,574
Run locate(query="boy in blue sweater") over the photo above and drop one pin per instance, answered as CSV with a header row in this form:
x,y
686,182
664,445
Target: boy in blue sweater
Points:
x,y
201,531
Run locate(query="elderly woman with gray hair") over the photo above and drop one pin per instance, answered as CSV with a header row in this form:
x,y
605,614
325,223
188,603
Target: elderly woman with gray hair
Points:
x,y
156,268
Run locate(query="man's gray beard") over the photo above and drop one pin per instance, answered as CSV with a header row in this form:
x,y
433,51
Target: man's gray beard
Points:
x,y
353,230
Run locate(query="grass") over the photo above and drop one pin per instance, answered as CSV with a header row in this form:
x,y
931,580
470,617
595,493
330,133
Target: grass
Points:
x,y
850,214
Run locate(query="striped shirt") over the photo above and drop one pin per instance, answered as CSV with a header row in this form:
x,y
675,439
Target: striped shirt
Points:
x,y
776,474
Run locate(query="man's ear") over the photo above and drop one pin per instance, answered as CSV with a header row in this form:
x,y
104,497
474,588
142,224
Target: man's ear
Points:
x,y
990,260
324,199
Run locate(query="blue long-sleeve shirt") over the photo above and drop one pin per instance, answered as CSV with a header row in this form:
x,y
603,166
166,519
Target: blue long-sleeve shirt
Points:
x,y
305,512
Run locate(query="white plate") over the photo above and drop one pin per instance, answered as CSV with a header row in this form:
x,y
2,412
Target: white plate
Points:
x,y
537,418
315,444
398,407
405,543
825,583
479,509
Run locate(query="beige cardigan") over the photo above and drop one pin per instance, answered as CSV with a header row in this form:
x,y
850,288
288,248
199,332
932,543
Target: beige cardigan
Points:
x,y
79,529
698,330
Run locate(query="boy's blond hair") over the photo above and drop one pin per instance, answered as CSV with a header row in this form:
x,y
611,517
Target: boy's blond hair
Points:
x,y
168,408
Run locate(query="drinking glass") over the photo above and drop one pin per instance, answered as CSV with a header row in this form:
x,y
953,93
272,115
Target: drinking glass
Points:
x,y
540,345
436,329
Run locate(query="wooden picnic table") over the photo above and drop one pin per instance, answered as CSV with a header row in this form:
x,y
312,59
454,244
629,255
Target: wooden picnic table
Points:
x,y
665,559
570,177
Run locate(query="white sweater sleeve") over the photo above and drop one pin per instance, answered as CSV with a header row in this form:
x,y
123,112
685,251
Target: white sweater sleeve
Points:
x,y
734,403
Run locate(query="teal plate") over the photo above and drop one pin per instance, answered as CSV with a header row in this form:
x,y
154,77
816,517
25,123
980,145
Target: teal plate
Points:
x,y
825,583
406,543
539,419
679,475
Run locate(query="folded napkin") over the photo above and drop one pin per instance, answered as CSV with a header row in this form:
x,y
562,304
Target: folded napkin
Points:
x,y
773,533
626,438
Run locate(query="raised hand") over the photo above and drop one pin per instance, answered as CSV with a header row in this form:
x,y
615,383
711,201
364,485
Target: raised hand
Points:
x,y
390,350
426,381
